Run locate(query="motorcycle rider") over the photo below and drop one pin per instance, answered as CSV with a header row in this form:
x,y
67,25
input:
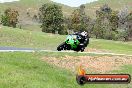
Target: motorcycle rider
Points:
x,y
75,39
83,37
77,42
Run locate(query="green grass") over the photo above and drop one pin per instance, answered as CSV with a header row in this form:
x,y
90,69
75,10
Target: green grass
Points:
x,y
32,28
126,69
21,38
27,70
112,46
33,39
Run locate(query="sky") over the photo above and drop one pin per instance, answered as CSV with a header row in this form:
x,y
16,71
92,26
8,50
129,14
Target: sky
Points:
x,y
73,3
2,1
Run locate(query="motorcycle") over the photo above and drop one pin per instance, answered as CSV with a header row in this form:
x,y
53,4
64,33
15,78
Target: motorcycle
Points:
x,y
73,42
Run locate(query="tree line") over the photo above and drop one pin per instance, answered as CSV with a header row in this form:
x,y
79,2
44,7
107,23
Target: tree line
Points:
x,y
108,24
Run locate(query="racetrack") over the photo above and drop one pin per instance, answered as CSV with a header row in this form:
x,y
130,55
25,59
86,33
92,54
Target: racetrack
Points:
x,y
15,49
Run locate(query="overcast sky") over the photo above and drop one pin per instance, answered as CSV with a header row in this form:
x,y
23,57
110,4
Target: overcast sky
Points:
x,y
73,3
2,1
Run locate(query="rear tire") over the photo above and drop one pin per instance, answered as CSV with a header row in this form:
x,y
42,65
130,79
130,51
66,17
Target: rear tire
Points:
x,y
82,47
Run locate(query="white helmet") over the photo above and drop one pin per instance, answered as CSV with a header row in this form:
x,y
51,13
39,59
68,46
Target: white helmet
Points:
x,y
84,33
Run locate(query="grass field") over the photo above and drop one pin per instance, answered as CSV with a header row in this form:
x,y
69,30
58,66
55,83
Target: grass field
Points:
x,y
21,38
31,28
27,70
33,39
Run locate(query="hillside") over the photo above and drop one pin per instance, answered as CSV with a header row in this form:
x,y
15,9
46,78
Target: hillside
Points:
x,y
114,4
24,38
33,5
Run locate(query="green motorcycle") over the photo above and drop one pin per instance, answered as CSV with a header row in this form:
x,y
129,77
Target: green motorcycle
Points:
x,y
71,43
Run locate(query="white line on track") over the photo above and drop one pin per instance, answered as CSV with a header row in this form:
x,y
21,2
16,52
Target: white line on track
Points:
x,y
65,51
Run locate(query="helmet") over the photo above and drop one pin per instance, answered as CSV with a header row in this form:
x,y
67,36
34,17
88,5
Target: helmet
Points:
x,y
84,33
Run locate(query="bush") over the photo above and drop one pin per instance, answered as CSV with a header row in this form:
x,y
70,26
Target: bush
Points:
x,y
111,35
10,18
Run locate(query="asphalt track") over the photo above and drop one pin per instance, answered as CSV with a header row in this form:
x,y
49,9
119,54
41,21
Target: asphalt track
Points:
x,y
15,49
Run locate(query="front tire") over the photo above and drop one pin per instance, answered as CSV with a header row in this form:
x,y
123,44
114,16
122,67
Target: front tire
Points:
x,y
60,47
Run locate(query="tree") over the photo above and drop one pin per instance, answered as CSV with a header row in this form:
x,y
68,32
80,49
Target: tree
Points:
x,y
97,28
105,8
67,25
125,26
102,22
10,18
79,20
106,23
35,18
129,25
113,19
123,13
51,18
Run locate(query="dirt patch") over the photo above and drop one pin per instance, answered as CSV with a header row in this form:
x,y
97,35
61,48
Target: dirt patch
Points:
x,y
96,50
96,64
